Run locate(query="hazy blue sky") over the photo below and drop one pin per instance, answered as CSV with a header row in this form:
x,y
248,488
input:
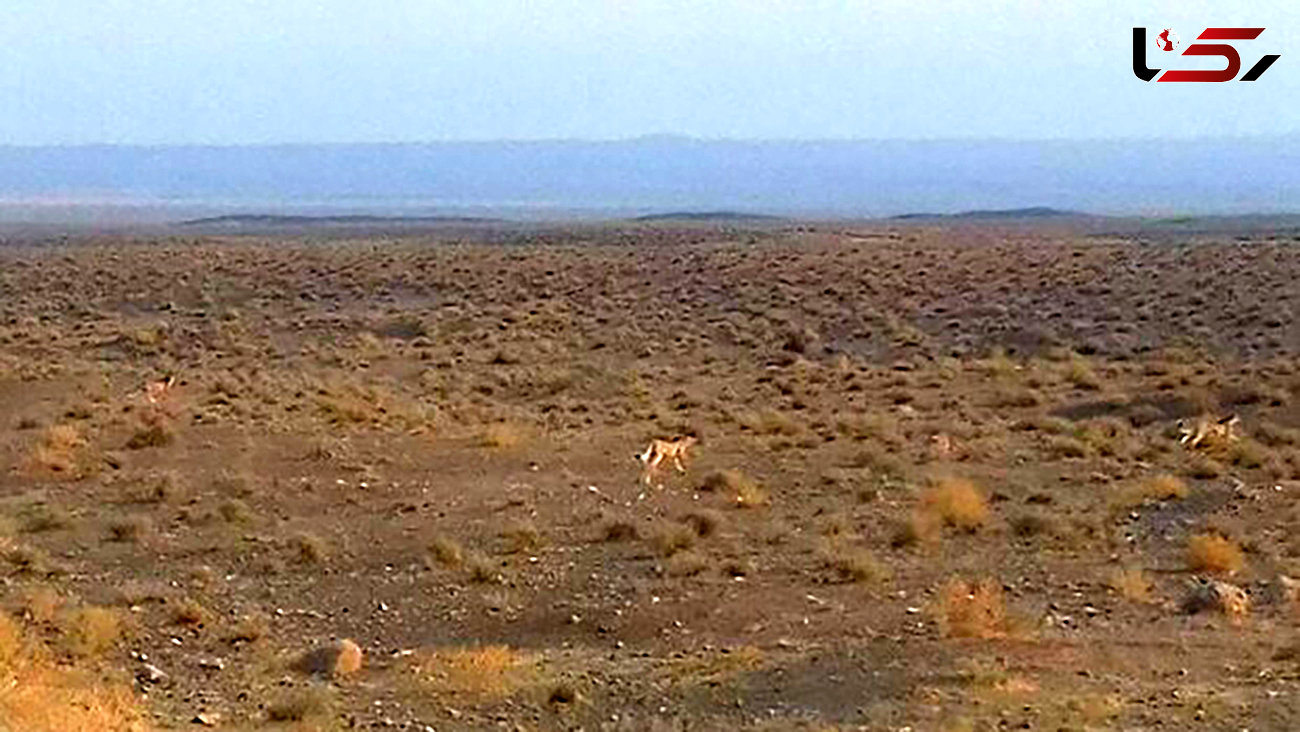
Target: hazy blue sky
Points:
x,y
240,71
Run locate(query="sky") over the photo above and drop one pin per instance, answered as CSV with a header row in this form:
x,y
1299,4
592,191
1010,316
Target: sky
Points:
x,y
224,72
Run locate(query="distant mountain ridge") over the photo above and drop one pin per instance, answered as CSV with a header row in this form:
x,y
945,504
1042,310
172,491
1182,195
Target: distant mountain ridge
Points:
x,y
343,219
664,173
1030,212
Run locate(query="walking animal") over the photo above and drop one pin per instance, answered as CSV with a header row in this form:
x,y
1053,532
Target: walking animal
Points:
x,y
660,450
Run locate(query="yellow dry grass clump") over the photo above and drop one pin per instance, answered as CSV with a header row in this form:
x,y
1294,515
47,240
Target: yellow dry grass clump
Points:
x,y
1131,584
40,695
58,452
492,672
966,610
1214,553
956,502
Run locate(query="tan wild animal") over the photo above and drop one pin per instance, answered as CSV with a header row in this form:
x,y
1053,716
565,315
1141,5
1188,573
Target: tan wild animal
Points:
x,y
661,450
1206,428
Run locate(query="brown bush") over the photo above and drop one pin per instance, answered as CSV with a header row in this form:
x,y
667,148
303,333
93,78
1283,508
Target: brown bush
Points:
x,y
1214,553
447,551
668,538
309,548
856,565
966,610
489,672
957,502
92,630
1131,584
45,696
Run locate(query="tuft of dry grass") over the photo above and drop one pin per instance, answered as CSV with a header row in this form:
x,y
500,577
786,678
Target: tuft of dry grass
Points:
x,y
1131,583
1214,553
521,536
705,522
489,672
235,511
966,610
856,565
503,435
668,538
617,530
309,548
44,696
922,528
688,563
189,612
41,604
957,503
59,451
447,551
155,434
481,569
130,530
92,630
300,705
1164,487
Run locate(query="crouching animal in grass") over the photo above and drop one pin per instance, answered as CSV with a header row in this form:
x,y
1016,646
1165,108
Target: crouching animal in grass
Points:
x,y
661,450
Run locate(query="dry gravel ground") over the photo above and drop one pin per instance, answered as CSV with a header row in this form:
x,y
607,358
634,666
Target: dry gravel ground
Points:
x,y
939,485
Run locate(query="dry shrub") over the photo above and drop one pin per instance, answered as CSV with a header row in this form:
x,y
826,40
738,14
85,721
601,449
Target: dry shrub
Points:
x,y
41,604
1029,525
503,435
309,548
856,565
189,612
521,536
711,668
42,696
746,491
1080,374
41,517
1214,553
235,511
491,672
1163,487
1131,583
481,569
705,522
966,610
158,487
772,422
617,530
248,629
447,551
921,528
957,503
59,451
686,564
131,530
668,538
1204,467
92,630
310,704
154,432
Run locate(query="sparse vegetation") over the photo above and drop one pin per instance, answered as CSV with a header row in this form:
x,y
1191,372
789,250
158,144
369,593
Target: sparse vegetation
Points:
x,y
1214,553
956,502
432,438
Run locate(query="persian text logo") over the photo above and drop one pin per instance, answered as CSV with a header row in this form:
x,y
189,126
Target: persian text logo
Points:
x,y
1167,40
